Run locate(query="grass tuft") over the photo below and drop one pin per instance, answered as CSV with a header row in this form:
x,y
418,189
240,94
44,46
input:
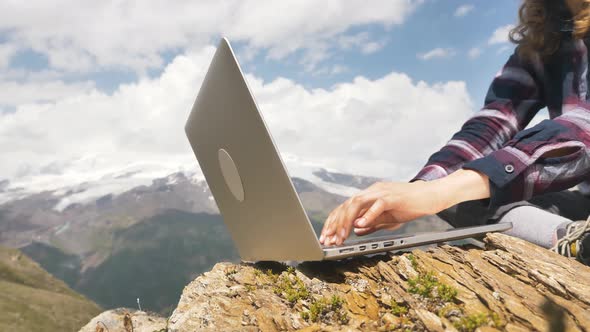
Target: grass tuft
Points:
x,y
398,309
473,322
324,308
428,286
413,261
291,287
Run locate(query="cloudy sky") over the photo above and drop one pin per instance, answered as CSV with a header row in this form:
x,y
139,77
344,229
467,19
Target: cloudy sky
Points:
x,y
89,88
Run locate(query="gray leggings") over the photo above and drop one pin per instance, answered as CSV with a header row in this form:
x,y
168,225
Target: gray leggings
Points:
x,y
534,220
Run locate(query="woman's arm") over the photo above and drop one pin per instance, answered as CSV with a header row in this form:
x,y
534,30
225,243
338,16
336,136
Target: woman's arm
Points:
x,y
463,185
551,156
514,97
460,186
387,205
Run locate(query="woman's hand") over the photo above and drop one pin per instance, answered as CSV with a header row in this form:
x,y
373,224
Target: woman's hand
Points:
x,y
387,205
383,205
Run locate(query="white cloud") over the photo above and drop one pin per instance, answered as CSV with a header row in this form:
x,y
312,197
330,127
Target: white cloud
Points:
x,y
463,10
474,52
331,70
361,41
436,53
6,53
88,35
500,35
372,47
338,69
13,93
352,40
366,125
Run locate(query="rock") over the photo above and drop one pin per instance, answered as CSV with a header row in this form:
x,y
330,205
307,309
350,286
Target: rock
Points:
x,y
125,320
510,285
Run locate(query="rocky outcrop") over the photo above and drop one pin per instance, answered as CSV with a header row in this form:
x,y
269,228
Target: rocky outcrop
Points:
x,y
509,285
126,320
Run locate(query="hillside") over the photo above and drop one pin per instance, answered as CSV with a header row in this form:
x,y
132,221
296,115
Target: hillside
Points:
x,y
33,300
510,285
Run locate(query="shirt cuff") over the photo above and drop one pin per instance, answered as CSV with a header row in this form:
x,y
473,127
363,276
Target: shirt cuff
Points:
x,y
505,171
429,173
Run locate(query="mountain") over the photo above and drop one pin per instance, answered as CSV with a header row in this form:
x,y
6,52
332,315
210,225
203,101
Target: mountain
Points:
x,y
118,239
507,285
144,255
65,267
33,300
355,181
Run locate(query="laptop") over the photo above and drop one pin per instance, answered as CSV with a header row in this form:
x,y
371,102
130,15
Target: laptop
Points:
x,y
251,185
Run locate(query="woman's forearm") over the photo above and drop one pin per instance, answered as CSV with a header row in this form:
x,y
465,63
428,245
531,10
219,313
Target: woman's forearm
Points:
x,y
460,186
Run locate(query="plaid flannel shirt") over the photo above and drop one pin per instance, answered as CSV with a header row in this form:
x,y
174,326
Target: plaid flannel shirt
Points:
x,y
494,142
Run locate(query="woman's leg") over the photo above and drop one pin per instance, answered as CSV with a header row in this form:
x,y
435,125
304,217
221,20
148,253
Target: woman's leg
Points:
x,y
534,225
535,220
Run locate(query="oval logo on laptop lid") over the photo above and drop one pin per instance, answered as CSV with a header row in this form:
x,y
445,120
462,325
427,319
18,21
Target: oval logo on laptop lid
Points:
x,y
230,174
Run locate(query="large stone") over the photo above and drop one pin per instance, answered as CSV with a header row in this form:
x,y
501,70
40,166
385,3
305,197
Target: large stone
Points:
x,y
125,320
510,285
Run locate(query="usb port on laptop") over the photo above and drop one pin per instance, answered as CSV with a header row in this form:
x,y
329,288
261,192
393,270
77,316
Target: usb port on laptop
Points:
x,y
374,246
362,248
345,250
387,244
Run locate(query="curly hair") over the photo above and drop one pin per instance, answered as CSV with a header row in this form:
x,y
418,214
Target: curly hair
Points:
x,y
538,30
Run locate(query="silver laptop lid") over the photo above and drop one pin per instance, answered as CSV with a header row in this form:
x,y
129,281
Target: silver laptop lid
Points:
x,y
243,169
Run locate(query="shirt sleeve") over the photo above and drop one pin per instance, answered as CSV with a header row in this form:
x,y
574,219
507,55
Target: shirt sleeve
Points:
x,y
513,99
519,170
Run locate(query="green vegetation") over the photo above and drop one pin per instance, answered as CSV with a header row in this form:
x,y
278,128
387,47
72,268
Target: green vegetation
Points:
x,y
428,286
446,292
229,273
443,298
413,261
322,307
33,300
472,322
469,323
273,277
422,285
291,287
398,309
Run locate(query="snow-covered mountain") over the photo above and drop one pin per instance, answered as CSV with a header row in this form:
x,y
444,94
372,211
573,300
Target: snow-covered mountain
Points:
x,y
83,183
55,209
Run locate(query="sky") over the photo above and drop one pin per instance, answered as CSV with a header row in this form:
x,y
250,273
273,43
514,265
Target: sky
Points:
x,y
91,89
